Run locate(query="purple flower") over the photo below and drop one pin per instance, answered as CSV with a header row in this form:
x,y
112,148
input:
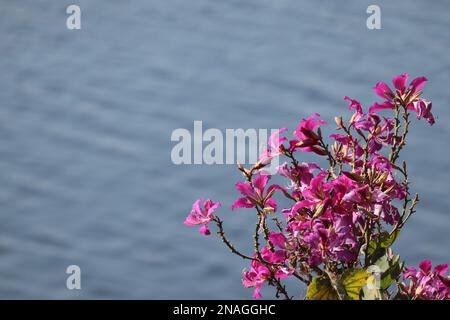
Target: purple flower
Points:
x,y
409,96
254,195
426,283
260,273
423,110
199,216
308,138
354,104
274,147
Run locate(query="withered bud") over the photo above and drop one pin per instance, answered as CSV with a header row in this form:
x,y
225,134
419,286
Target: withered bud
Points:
x,y
319,151
310,134
352,119
388,190
354,176
305,143
319,210
381,178
339,121
268,210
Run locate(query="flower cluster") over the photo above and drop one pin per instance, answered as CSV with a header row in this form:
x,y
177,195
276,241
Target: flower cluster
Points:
x,y
343,217
261,272
426,283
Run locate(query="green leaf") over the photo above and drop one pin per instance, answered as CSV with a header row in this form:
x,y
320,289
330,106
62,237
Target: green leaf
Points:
x,y
377,247
392,273
383,263
320,288
389,269
353,281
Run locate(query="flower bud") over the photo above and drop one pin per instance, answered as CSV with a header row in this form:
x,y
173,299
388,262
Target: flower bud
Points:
x,y
339,122
268,210
310,134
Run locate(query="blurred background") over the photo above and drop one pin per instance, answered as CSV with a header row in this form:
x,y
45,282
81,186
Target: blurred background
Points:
x,y
86,117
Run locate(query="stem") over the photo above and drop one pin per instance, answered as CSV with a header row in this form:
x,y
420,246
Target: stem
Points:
x,y
270,266
353,143
221,233
396,128
367,237
330,157
410,211
263,225
396,149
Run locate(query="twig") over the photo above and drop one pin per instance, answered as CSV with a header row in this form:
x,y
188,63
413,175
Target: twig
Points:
x,y
221,233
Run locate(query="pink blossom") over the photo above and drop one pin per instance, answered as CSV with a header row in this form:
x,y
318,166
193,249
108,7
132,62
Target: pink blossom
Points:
x,y
278,239
317,189
260,273
254,195
347,148
308,138
382,89
410,96
423,110
399,82
328,240
199,216
273,150
300,174
354,104
426,283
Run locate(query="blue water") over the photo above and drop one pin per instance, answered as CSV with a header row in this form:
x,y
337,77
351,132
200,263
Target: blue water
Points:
x,y
86,118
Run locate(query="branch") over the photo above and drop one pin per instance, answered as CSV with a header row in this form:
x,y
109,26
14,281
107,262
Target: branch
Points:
x,y
221,233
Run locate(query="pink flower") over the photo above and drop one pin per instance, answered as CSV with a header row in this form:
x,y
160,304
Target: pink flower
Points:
x,y
383,90
308,139
354,104
199,216
255,278
259,273
379,132
300,174
278,239
426,283
344,146
410,96
399,82
273,150
254,195
317,191
423,110
327,239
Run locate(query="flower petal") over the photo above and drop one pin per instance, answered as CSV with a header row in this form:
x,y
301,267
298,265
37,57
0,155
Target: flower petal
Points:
x,y
242,203
425,266
399,82
204,230
383,90
260,183
381,106
245,189
417,84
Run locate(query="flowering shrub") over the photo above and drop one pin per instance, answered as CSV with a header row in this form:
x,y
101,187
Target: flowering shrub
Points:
x,y
337,233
